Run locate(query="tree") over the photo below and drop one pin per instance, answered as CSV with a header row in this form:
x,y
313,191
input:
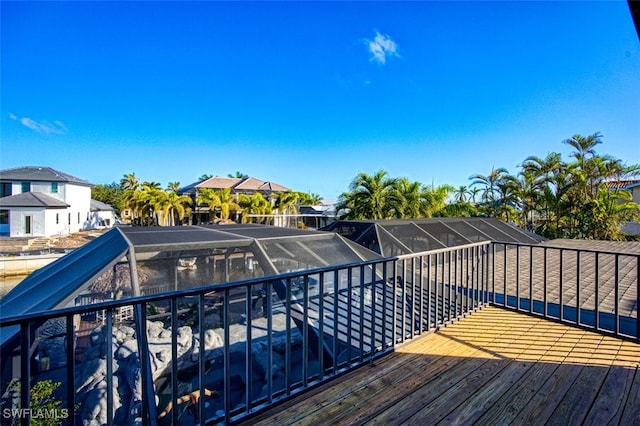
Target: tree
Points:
x,y
254,204
286,202
490,188
371,197
309,199
219,200
238,175
111,194
172,206
173,186
129,182
461,194
412,199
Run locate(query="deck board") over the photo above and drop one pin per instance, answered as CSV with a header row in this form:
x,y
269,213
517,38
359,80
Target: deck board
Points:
x,y
494,367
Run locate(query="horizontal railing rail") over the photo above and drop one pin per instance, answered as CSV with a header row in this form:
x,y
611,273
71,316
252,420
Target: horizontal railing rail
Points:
x,y
220,353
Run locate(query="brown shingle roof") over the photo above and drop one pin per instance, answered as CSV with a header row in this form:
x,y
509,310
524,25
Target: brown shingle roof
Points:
x,y
248,184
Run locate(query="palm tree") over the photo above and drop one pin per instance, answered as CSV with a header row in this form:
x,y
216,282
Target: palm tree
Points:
x,y
228,203
254,204
238,175
309,199
286,202
173,186
489,183
412,194
371,197
129,182
172,205
460,195
205,176
435,199
209,198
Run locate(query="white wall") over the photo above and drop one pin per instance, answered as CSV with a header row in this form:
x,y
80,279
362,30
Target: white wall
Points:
x,y
79,198
100,219
17,219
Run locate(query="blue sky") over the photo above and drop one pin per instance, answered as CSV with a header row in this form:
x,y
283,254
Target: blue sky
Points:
x,y
309,94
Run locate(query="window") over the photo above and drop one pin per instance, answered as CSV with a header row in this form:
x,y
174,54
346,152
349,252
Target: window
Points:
x,y
78,217
4,217
69,219
5,189
26,186
54,187
57,218
27,225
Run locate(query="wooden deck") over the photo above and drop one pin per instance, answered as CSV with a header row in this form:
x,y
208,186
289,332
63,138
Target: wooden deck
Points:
x,y
493,367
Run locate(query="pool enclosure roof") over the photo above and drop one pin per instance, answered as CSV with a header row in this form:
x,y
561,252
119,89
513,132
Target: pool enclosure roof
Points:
x,y
404,236
133,261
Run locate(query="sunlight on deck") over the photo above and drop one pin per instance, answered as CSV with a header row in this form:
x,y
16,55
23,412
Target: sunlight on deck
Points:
x,y
495,333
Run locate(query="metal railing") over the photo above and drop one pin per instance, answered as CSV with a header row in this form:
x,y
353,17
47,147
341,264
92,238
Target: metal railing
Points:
x,y
221,353
593,289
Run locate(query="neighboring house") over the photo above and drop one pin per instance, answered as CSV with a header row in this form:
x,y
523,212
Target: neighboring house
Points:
x,y
43,202
633,186
102,215
246,185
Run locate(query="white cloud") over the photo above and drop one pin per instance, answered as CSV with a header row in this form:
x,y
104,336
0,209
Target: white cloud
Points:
x,y
58,127
381,47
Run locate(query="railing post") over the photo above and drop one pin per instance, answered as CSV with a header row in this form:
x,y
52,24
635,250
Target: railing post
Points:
x,y
517,277
561,289
227,355
616,326
597,291
71,368
493,273
174,359
361,314
450,292
373,311
504,276
578,287
384,305
421,291
530,279
269,315
248,358
428,292
320,325
349,315
544,282
25,371
305,333
108,335
336,308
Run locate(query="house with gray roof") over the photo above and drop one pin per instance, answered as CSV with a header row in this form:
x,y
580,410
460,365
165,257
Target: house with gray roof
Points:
x,y
43,202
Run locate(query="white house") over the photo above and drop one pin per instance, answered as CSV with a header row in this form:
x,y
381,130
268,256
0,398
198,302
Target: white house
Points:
x,y
43,202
